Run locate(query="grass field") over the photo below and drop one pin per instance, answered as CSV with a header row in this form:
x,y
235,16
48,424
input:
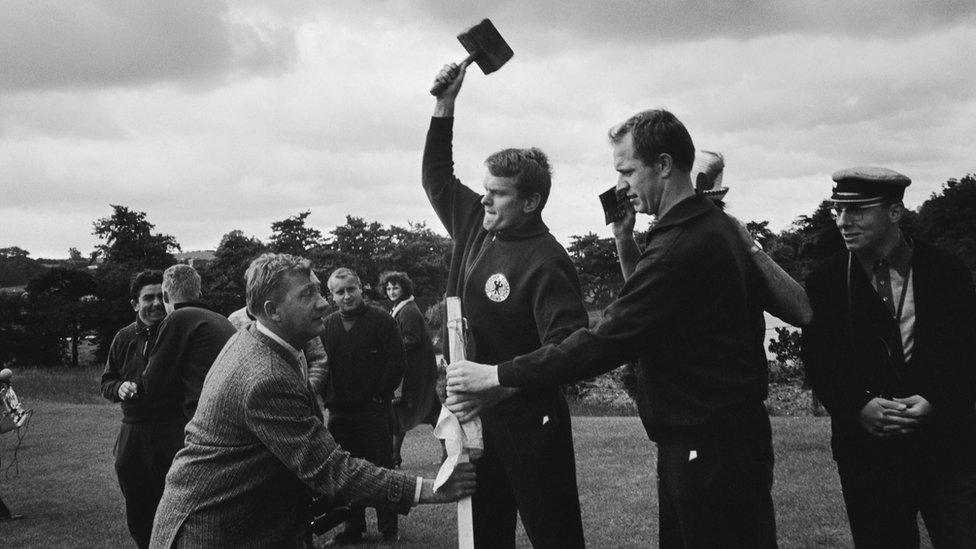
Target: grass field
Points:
x,y
67,490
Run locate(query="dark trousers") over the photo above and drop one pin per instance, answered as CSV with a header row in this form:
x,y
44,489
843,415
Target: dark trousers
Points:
x,y
885,495
528,468
365,433
714,485
143,454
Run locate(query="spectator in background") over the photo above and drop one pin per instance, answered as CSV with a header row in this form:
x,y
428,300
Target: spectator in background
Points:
x,y
152,428
189,340
415,401
366,363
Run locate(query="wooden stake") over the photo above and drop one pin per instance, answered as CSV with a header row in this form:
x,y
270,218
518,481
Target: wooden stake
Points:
x,y
455,334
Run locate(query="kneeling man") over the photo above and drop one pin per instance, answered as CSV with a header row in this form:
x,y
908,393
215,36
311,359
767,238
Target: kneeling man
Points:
x,y
257,447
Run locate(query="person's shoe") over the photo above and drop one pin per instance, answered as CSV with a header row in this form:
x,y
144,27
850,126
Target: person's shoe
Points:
x,y
346,538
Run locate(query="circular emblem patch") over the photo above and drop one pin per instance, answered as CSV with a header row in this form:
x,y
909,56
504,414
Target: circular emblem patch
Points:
x,y
497,288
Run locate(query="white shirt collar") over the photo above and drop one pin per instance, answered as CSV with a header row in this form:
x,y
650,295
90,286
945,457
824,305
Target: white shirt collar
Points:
x,y
267,331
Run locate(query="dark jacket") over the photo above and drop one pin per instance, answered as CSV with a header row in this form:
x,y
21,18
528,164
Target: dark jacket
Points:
x,y
189,340
691,312
518,289
418,399
366,363
126,361
852,358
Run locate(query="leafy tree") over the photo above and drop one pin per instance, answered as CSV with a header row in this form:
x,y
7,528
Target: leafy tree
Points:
x,y
811,240
948,219
596,264
291,236
369,248
129,240
422,254
61,296
16,267
130,245
223,279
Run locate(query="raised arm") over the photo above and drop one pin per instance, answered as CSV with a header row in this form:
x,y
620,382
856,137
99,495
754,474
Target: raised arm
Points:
x,y
785,298
628,252
456,205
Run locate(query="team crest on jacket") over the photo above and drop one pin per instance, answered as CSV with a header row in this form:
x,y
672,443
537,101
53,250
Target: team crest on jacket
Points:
x,y
497,288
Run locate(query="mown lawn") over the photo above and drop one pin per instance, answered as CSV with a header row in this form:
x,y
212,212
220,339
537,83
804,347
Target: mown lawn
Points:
x,y
67,490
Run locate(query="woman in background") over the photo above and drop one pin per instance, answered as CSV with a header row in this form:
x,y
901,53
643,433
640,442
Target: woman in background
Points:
x,y
415,401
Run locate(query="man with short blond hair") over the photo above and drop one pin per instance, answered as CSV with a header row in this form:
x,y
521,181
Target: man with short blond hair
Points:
x,y
366,365
691,313
189,340
518,290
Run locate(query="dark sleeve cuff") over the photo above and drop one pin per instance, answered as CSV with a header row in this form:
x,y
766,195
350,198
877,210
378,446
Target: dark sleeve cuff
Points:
x,y
442,123
507,374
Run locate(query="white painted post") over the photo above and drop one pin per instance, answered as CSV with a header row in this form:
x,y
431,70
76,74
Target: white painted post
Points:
x,y
455,333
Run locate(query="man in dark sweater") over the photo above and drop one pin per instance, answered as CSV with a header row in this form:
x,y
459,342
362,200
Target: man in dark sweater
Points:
x,y
188,341
691,311
366,364
152,428
890,354
519,291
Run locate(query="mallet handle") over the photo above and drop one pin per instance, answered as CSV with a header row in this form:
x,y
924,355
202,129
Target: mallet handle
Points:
x,y
441,86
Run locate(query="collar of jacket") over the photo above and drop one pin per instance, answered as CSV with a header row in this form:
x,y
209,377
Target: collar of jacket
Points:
x,y
682,212
252,329
197,304
533,227
145,329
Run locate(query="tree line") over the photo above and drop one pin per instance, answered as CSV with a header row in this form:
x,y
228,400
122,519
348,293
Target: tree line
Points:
x,y
50,309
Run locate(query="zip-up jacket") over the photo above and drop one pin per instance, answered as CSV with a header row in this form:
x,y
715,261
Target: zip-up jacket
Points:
x,y
518,289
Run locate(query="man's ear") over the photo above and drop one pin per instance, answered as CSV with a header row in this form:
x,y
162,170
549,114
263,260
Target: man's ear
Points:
x,y
270,309
166,298
531,203
896,211
135,304
667,164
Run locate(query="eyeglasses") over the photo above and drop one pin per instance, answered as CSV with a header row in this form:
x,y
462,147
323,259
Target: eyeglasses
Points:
x,y
855,212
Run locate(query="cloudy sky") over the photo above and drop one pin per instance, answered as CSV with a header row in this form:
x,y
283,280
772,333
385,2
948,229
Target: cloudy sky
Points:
x,y
214,116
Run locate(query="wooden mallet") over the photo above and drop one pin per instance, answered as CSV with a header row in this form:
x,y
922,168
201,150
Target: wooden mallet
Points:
x,y
485,47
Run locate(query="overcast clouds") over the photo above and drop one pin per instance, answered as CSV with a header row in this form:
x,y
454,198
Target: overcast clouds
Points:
x,y
216,116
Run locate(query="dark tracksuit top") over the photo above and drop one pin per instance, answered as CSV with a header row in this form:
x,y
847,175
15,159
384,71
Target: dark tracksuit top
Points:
x,y
519,290
691,312
189,340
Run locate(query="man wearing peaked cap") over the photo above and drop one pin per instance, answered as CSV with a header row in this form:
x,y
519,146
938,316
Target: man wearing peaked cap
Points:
x,y
889,352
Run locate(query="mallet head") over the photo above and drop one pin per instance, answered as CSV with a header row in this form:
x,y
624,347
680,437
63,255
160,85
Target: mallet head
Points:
x,y
487,47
